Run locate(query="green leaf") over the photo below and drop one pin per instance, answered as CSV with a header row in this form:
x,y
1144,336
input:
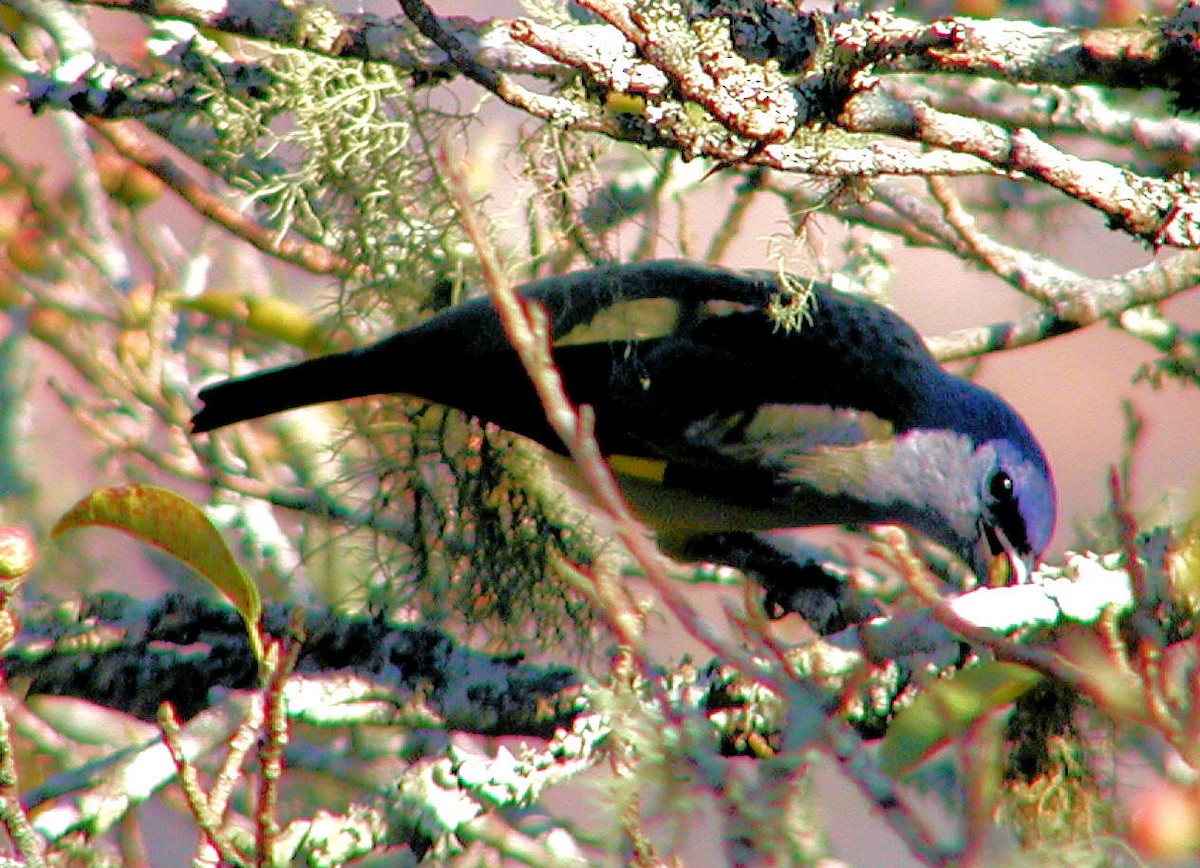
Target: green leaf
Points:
x,y
173,523
948,708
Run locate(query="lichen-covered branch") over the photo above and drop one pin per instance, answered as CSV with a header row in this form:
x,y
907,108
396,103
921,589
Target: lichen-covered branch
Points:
x,y
133,657
758,93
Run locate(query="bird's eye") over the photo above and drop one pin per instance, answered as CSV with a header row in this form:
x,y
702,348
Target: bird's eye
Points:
x,y
1001,487
1005,512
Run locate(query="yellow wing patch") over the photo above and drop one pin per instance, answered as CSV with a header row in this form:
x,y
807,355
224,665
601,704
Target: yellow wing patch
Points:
x,y
645,469
636,320
641,319
774,431
815,425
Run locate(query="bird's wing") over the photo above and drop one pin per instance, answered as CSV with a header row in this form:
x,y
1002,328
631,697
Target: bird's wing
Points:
x,y
662,351
706,406
707,378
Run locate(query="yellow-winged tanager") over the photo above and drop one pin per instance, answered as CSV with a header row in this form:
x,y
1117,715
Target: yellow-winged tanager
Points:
x,y
714,417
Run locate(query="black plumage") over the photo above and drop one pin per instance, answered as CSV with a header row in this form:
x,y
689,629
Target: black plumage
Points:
x,y
847,418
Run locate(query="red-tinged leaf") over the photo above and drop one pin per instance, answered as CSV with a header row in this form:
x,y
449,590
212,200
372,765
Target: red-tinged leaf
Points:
x,y
162,518
948,708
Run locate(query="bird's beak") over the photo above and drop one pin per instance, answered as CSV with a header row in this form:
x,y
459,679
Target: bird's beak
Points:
x,y
1005,565
1008,568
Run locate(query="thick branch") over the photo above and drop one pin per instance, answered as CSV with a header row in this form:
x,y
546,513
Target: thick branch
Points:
x,y
135,657
674,64
1019,51
1139,57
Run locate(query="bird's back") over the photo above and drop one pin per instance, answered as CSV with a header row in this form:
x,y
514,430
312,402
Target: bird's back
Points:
x,y
837,420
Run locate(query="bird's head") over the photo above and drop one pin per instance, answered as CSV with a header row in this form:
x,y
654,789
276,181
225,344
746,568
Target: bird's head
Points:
x,y
969,475
1014,511
980,481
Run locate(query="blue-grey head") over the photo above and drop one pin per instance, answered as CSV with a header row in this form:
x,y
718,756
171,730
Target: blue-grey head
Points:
x,y
960,466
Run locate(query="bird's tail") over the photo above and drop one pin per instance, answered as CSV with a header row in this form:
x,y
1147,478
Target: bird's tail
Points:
x,y
329,378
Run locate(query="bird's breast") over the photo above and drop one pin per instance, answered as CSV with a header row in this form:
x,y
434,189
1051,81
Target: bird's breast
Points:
x,y
671,514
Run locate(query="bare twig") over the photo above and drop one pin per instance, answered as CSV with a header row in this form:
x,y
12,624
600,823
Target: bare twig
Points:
x,y
1163,212
526,329
1013,50
189,780
1086,302
12,813
282,656
1080,111
312,257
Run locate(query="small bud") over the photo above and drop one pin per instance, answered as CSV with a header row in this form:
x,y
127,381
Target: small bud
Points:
x,y
11,293
11,210
27,250
139,304
17,552
134,348
1164,823
111,170
48,324
126,181
140,187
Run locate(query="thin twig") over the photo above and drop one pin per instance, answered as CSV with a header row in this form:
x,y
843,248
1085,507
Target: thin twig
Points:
x,y
994,256
12,813
526,329
280,663
311,257
189,781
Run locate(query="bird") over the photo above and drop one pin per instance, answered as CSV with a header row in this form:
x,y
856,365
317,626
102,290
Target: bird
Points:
x,y
714,418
